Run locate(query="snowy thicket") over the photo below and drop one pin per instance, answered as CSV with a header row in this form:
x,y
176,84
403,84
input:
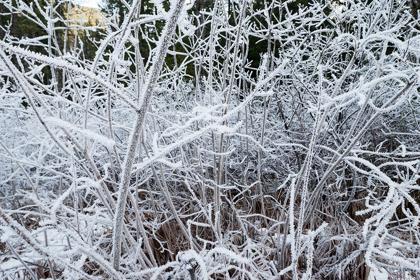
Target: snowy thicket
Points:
x,y
190,163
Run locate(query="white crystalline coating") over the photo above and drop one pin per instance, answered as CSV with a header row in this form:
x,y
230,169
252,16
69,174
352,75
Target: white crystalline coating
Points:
x,y
121,70
243,156
186,27
228,253
33,40
6,233
362,98
170,164
160,9
184,23
379,274
155,142
59,201
121,62
223,129
188,256
265,93
87,133
10,264
403,150
60,63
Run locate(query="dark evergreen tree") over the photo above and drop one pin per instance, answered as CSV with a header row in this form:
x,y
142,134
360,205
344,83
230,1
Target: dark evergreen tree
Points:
x,y
116,6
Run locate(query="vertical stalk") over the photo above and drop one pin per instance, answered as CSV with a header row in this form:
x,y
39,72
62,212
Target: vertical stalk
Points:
x,y
217,198
135,134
